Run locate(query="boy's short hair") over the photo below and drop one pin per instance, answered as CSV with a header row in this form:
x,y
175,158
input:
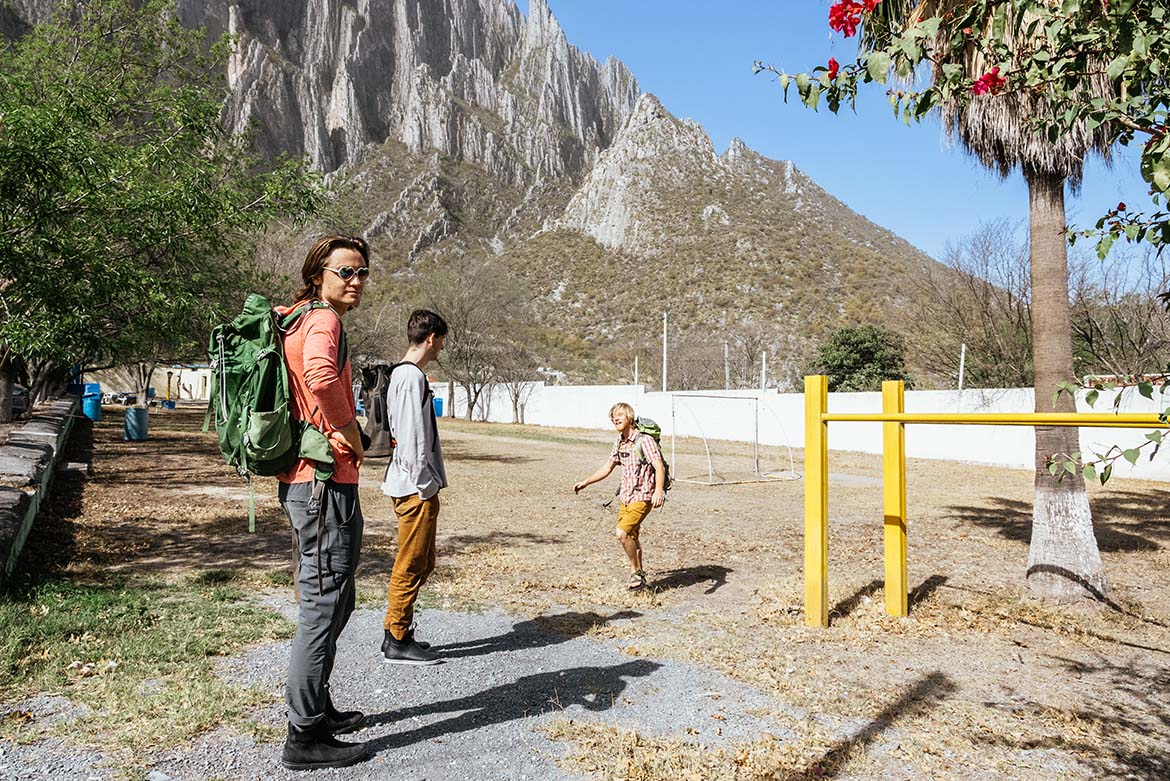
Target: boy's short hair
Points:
x,y
622,406
423,323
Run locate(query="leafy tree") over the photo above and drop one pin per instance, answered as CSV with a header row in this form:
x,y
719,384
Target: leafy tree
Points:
x,y
859,358
123,200
1031,85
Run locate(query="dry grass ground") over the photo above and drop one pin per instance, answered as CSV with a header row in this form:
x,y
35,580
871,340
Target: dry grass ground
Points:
x,y
979,682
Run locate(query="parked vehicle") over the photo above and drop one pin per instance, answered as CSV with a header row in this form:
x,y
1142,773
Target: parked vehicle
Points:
x,y
126,398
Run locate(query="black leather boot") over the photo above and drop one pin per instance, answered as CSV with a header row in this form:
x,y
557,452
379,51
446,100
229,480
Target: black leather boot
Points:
x,y
316,747
339,722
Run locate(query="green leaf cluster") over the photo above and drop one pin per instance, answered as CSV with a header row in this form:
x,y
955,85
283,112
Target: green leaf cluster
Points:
x,y
124,203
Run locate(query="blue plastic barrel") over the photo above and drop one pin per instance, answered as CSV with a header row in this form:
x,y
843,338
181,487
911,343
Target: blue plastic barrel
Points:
x,y
137,422
91,407
438,408
92,389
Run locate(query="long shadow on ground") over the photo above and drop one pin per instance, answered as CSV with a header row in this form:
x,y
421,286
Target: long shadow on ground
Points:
x,y
689,576
927,692
534,633
594,688
917,595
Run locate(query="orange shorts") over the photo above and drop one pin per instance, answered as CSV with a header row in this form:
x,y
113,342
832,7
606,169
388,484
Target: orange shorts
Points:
x,y
630,517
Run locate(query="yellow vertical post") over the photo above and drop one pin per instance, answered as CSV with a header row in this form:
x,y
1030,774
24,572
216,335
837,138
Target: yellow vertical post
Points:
x,y
894,501
816,501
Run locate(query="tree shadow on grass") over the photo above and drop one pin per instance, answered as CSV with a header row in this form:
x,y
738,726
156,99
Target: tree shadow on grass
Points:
x,y
593,688
1136,725
455,543
1125,521
926,693
689,576
456,452
52,540
534,633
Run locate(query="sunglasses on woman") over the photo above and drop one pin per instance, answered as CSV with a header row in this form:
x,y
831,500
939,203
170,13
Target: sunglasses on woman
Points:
x,y
349,272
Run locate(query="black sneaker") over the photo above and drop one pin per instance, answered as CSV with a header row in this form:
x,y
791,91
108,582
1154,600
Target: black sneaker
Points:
x,y
407,651
316,748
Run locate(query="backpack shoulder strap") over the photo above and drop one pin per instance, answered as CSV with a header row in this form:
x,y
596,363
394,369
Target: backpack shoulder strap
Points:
x,y
426,382
638,447
342,346
426,401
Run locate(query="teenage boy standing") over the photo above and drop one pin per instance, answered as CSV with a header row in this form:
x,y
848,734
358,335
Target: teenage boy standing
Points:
x,y
643,485
413,480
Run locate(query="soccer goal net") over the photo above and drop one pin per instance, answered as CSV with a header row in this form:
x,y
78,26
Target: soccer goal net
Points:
x,y
715,440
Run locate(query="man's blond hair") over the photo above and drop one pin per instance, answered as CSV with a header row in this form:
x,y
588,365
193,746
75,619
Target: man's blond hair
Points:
x,y
623,407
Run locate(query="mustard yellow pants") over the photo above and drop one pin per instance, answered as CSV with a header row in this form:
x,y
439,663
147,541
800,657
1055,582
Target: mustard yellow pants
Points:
x,y
415,560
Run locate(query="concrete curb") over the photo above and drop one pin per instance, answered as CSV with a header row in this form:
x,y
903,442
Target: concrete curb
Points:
x,y
27,462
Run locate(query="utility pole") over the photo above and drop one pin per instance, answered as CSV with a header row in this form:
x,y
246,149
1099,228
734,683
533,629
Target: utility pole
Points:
x,y
664,352
763,370
726,367
962,364
962,368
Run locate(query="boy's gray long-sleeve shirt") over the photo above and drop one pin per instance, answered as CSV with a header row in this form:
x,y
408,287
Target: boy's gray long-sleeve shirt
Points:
x,y
417,465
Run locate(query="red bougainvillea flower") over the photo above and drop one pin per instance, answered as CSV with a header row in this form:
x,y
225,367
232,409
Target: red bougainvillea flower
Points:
x,y
834,67
989,82
845,15
1121,206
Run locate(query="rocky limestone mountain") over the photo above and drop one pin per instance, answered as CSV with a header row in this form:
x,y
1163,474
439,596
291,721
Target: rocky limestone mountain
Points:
x,y
461,131
470,79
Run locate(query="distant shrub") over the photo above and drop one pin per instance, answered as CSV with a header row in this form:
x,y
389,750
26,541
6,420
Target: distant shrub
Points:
x,y
858,358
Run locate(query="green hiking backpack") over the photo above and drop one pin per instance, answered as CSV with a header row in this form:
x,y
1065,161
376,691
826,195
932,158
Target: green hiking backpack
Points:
x,y
647,427
250,396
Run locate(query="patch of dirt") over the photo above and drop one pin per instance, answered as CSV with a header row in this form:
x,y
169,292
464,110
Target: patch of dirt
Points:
x,y
979,681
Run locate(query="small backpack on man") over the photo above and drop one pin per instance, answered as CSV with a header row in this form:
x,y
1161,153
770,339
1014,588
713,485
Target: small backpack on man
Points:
x,y
648,428
250,395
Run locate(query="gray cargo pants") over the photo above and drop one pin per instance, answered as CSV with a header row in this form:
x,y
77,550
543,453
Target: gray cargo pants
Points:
x,y
327,598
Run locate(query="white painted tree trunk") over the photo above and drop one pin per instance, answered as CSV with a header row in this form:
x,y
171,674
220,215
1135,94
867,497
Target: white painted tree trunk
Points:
x,y
1063,560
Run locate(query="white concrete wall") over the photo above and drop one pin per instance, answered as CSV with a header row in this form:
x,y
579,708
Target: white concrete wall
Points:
x,y
781,420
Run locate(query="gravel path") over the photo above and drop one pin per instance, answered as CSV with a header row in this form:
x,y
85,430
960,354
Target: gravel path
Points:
x,y
474,717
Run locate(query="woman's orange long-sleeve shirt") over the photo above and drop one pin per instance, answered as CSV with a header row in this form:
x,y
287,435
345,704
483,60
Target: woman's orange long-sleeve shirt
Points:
x,y
322,392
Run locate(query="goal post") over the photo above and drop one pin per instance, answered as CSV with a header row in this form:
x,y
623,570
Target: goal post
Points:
x,y
721,434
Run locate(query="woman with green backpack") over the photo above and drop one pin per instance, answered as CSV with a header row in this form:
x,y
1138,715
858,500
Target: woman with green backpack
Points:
x,y
319,494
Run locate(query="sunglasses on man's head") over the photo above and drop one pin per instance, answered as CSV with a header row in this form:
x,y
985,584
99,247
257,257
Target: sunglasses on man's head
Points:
x,y
349,272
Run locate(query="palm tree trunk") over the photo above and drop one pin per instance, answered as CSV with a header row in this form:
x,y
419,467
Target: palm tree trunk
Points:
x,y
1063,561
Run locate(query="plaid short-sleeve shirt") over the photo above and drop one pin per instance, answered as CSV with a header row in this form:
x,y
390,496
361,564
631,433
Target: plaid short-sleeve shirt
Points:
x,y
637,477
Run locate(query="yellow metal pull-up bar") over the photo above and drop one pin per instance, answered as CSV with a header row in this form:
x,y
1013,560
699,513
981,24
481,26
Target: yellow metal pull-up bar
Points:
x,y
893,418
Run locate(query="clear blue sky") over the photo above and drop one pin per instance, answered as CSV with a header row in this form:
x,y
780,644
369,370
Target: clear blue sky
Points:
x,y
697,56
